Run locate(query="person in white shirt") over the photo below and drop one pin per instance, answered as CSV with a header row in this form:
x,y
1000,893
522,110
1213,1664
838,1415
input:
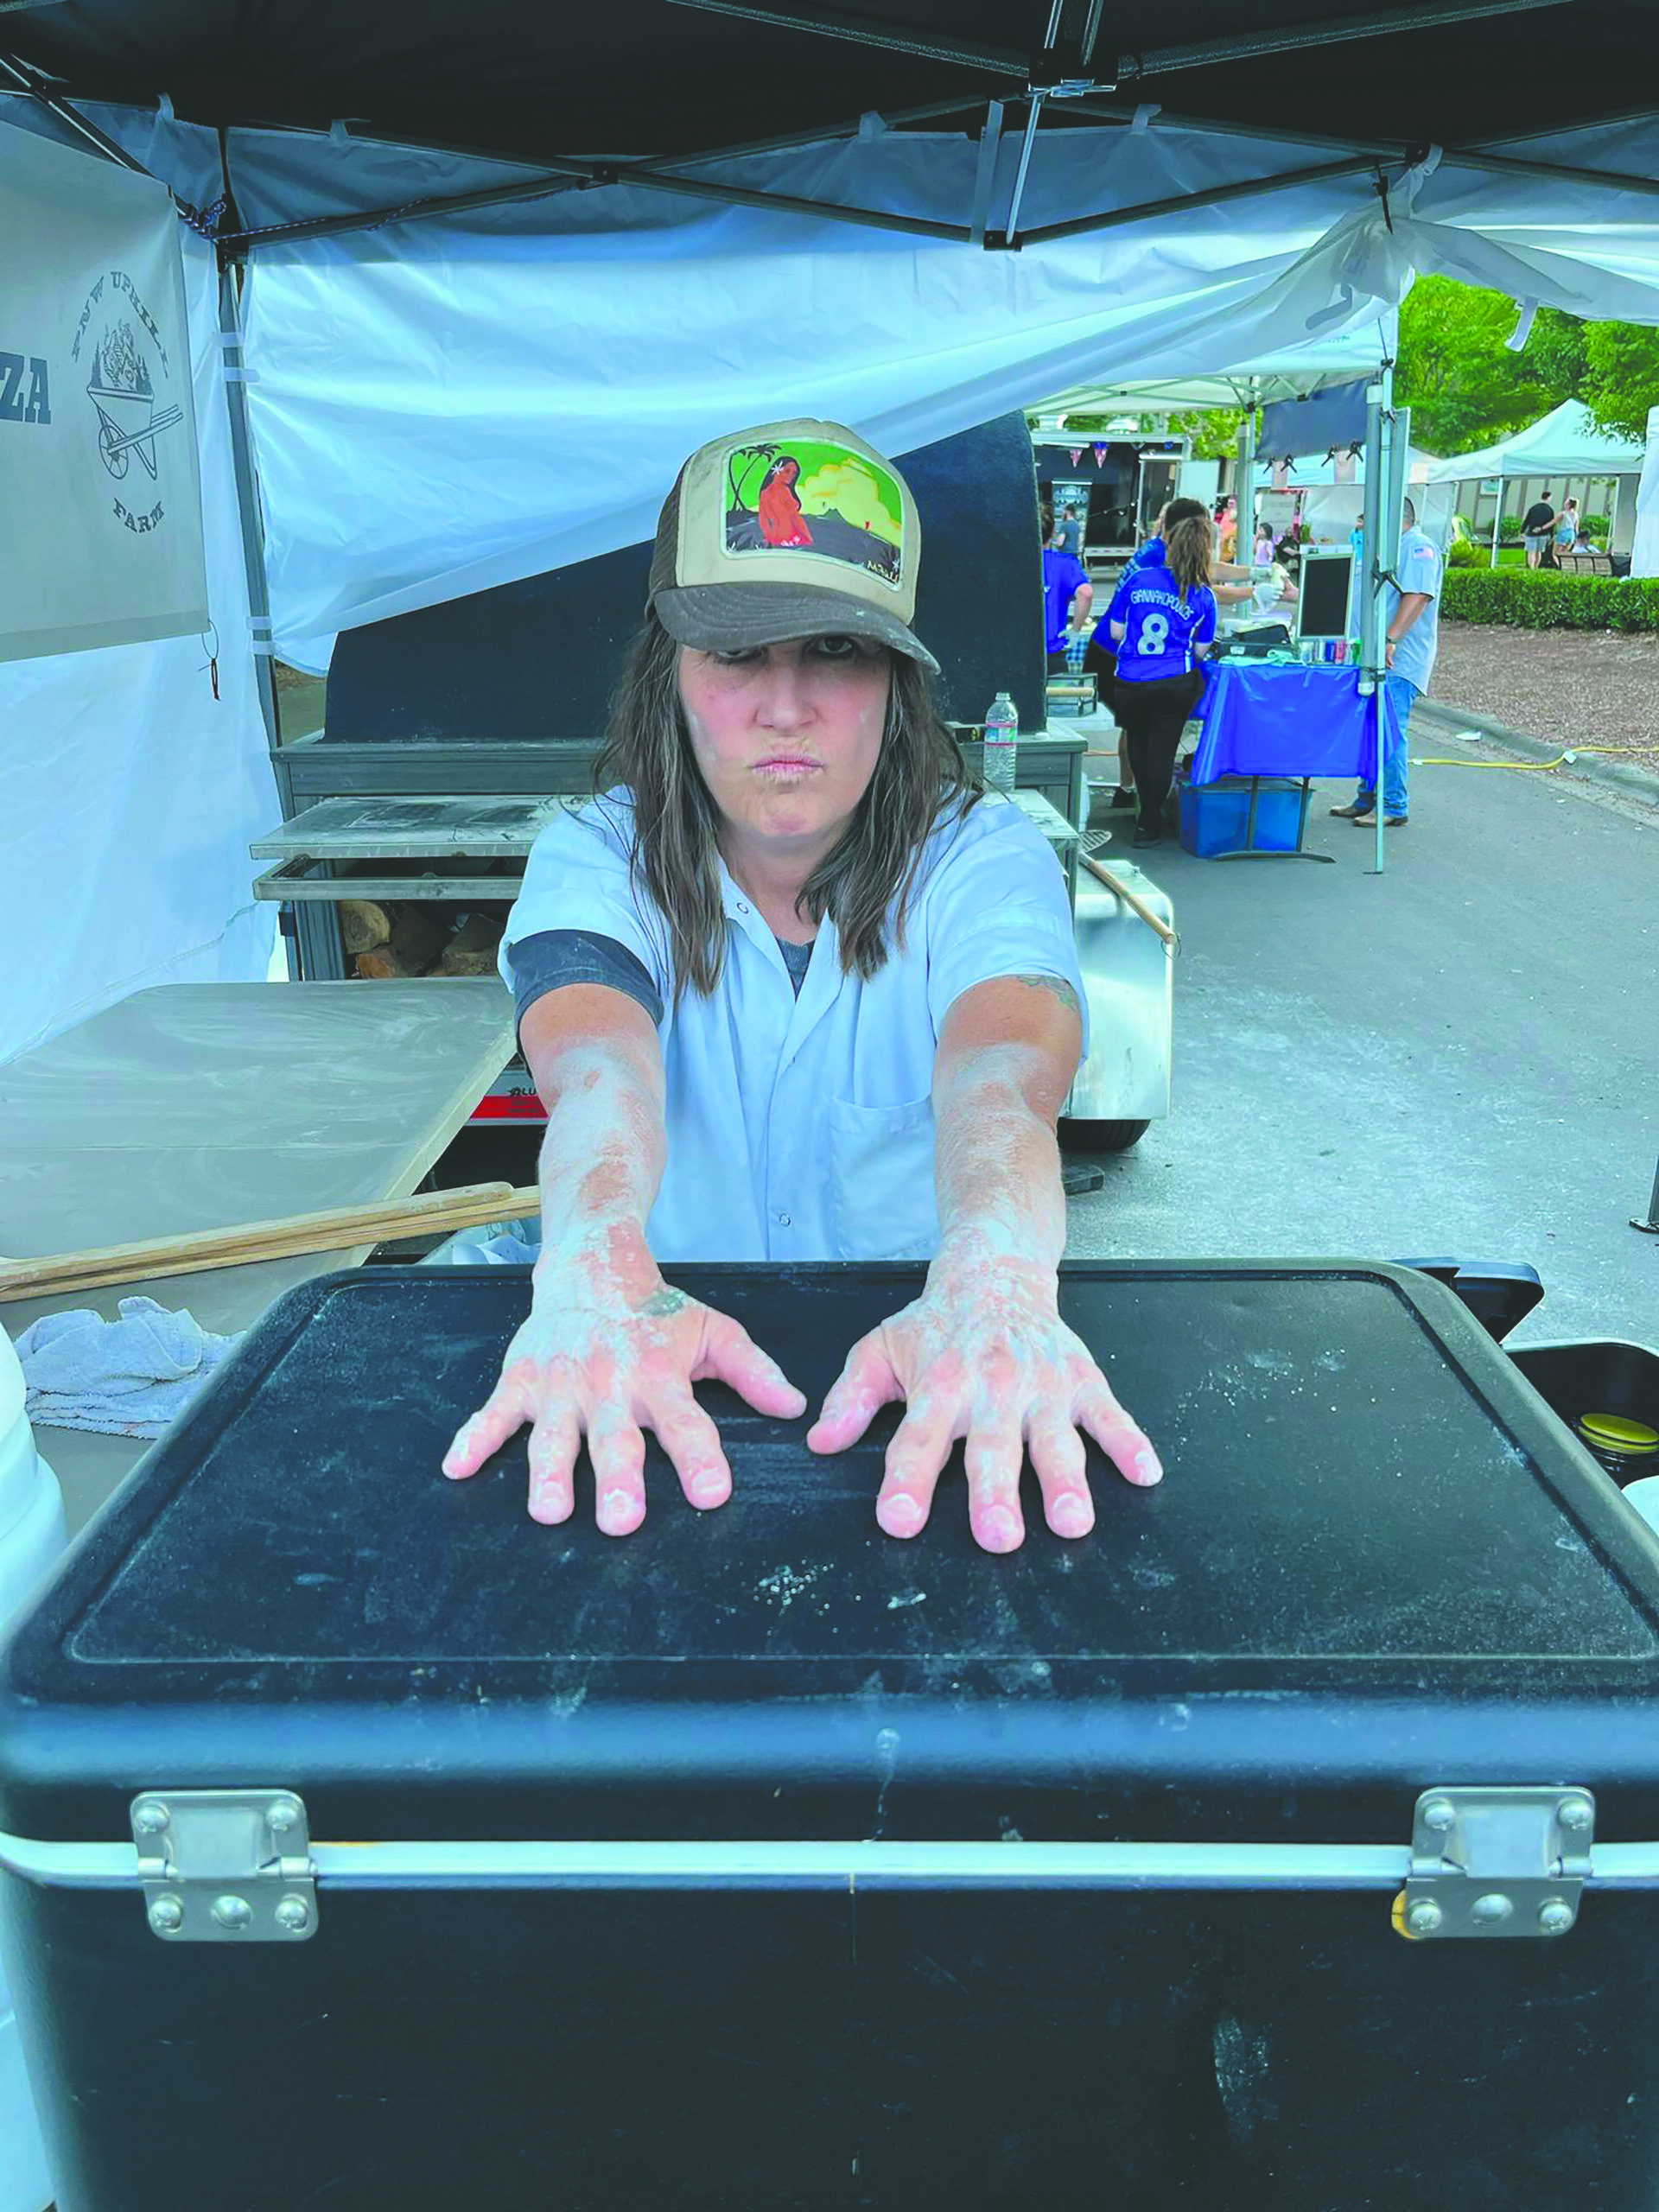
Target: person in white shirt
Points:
x,y
1411,643
794,986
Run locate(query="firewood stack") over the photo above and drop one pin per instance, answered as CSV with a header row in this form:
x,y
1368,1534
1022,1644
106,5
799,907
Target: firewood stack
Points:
x,y
410,936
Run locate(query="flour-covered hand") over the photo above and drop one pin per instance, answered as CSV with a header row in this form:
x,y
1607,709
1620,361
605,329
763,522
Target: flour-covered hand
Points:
x,y
609,1351
983,1355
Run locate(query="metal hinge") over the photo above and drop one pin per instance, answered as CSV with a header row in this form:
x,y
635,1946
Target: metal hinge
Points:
x,y
226,1865
1497,1862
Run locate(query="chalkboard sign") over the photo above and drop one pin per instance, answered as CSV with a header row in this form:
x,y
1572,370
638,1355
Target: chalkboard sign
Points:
x,y
1326,588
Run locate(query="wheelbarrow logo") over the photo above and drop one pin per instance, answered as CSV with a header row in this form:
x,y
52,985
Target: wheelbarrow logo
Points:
x,y
126,360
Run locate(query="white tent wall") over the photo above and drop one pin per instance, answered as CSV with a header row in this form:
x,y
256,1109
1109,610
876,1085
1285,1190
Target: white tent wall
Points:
x,y
131,792
513,390
459,402
1645,548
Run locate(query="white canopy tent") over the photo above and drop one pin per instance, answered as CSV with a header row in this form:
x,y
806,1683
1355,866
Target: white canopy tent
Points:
x,y
1356,349
1564,442
1562,448
463,373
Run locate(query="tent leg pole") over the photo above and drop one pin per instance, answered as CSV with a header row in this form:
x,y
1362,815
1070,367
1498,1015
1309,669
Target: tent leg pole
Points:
x,y
1381,541
253,551
315,943
1498,521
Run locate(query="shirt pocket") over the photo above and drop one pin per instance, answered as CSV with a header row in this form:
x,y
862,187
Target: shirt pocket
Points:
x,y
881,1180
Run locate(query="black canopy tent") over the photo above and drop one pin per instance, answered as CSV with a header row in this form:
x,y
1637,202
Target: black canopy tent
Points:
x,y
582,98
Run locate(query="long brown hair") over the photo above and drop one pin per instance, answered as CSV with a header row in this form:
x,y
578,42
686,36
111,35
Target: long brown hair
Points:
x,y
920,779
1188,545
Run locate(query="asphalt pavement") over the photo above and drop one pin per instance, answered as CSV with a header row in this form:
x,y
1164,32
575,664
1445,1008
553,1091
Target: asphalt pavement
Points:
x,y
1458,1058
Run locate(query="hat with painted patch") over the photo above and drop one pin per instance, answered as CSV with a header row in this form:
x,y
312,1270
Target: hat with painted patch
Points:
x,y
795,529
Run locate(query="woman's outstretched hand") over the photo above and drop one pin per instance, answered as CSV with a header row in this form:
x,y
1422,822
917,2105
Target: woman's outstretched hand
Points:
x,y
983,1355
606,1355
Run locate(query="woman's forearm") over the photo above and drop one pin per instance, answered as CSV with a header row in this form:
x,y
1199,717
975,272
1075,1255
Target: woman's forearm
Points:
x,y
1001,1195
602,1160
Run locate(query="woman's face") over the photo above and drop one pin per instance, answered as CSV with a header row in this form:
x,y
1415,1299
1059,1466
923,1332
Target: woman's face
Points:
x,y
787,736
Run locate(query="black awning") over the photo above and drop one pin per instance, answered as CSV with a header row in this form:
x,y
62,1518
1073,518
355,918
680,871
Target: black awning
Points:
x,y
533,78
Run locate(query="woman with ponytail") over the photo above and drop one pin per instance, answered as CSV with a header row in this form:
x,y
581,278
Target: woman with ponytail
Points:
x,y
1162,620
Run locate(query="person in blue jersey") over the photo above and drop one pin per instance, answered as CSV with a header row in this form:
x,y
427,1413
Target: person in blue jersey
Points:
x,y
1068,597
1100,659
1162,620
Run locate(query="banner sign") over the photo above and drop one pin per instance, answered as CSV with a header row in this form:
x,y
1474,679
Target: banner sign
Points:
x,y
98,482
1312,424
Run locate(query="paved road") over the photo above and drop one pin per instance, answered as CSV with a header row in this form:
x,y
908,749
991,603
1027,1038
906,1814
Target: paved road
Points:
x,y
1460,1057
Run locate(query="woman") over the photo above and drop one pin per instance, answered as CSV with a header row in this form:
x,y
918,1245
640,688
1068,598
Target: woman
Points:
x,y
794,986
779,506
1566,528
1162,620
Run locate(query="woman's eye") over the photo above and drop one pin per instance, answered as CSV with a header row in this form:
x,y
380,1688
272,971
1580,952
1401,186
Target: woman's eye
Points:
x,y
837,648
745,657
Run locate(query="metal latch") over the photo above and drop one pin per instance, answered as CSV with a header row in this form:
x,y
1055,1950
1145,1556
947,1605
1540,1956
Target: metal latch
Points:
x,y
1497,1862
226,1865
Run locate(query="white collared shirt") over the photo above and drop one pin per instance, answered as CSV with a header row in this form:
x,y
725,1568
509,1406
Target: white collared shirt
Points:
x,y
801,1129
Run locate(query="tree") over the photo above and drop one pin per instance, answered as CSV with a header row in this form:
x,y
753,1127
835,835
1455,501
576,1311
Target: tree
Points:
x,y
1213,432
1621,377
1463,387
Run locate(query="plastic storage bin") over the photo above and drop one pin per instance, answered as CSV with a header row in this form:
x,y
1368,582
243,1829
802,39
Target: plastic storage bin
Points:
x,y
31,1535
1214,815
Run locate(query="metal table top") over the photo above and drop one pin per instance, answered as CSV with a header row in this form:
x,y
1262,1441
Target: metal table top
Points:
x,y
196,1106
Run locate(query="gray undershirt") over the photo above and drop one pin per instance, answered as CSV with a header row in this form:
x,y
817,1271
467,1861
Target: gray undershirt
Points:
x,y
550,958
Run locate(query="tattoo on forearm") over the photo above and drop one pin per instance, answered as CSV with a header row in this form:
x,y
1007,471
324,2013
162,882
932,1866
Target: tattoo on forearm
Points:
x,y
662,1302
1061,990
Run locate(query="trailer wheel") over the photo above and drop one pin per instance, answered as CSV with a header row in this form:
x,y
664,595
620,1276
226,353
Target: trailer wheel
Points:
x,y
1100,1136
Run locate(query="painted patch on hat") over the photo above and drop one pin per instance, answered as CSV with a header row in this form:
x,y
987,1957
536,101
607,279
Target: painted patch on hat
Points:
x,y
803,495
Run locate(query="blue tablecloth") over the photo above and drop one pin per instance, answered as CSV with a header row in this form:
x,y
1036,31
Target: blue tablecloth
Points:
x,y
1279,718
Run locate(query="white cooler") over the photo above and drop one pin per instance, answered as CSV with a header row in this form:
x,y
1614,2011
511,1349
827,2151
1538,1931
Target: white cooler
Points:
x,y
31,1536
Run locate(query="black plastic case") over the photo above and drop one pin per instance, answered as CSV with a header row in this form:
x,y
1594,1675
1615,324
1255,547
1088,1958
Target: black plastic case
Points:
x,y
1379,1567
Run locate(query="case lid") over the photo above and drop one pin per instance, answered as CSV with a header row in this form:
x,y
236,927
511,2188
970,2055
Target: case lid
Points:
x,y
1378,1563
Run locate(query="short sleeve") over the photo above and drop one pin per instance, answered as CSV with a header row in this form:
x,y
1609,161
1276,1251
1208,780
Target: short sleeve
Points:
x,y
997,906
1421,572
1078,576
577,878
1204,628
552,958
1119,609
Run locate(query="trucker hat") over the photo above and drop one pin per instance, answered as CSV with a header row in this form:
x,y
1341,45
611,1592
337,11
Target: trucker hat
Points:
x,y
794,529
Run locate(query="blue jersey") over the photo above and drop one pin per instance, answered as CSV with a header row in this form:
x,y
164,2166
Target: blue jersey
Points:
x,y
1159,629
1153,554
1062,576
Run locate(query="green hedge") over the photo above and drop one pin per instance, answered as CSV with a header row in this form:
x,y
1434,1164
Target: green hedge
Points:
x,y
1531,598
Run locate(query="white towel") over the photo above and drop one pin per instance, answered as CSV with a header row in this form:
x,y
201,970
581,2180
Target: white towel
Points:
x,y
129,1377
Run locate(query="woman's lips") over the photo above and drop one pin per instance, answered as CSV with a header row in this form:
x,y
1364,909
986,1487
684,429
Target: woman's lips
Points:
x,y
786,763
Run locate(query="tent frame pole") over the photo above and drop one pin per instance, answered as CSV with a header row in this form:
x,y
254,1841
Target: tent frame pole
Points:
x,y
1219,196
309,945
1498,520
572,176
30,82
1380,539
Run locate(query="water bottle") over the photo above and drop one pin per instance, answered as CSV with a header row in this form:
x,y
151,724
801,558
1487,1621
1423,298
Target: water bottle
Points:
x,y
1002,724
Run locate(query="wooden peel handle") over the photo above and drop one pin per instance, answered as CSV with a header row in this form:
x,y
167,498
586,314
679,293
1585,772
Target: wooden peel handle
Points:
x,y
1136,905
334,1230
